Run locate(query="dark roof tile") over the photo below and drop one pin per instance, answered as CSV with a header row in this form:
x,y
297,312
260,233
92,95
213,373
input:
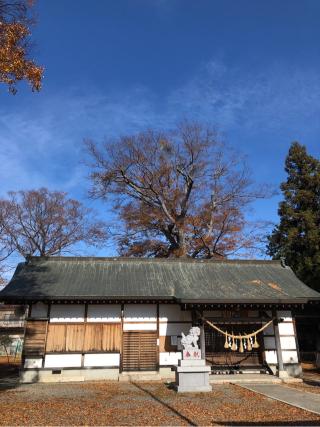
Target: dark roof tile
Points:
x,y
181,279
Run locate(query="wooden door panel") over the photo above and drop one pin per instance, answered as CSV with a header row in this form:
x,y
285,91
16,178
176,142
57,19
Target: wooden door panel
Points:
x,y
35,337
140,351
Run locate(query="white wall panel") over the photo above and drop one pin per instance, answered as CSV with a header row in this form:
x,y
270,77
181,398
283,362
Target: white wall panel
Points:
x,y
67,313
104,313
271,356
39,310
173,328
170,358
98,359
288,343
173,312
269,343
289,357
62,361
33,363
286,329
139,326
140,312
285,315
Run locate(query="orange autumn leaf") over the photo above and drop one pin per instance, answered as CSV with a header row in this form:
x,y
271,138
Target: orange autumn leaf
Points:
x,y
15,64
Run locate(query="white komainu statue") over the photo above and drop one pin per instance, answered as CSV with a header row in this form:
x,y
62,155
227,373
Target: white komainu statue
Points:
x,y
190,341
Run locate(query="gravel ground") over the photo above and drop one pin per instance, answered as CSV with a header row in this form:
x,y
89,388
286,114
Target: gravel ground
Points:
x,y
113,403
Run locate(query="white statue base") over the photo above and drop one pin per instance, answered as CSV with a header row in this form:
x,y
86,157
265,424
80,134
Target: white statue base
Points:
x,y
192,376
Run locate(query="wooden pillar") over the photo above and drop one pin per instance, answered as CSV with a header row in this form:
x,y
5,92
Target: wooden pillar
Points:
x,y
202,342
121,348
281,370
196,320
158,337
47,328
318,347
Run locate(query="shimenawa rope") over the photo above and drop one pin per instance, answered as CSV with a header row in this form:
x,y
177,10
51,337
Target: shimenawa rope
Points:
x,y
245,340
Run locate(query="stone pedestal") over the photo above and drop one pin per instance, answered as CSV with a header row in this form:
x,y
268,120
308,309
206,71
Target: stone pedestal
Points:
x,y
283,374
192,376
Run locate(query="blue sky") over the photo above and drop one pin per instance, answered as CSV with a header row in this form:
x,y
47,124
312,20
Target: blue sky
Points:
x,y
250,68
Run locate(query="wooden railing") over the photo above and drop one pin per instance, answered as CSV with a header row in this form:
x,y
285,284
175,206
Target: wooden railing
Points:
x,y
12,322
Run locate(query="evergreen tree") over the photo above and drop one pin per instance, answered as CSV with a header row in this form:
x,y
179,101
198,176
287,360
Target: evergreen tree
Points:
x,y
297,237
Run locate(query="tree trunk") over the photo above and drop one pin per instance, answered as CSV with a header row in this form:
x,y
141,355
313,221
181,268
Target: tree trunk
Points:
x,y
181,251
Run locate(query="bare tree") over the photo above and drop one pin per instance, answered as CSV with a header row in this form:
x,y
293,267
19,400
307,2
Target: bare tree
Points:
x,y
43,222
179,193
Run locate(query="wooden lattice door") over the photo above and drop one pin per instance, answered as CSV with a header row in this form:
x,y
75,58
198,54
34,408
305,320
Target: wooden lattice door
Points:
x,y
35,338
219,357
139,352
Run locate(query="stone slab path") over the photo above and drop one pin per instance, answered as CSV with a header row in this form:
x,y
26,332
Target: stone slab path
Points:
x,y
298,398
244,379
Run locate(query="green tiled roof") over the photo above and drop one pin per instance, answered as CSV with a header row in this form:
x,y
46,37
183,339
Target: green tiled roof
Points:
x,y
183,280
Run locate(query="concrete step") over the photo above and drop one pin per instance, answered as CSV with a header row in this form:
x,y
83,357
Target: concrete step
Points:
x,y
292,380
140,376
244,379
63,379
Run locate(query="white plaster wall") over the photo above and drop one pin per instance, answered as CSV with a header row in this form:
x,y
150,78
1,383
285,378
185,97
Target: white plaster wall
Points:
x,y
67,313
104,313
62,361
139,326
173,328
288,343
169,358
106,359
173,312
33,362
286,329
271,356
39,309
287,338
289,356
140,312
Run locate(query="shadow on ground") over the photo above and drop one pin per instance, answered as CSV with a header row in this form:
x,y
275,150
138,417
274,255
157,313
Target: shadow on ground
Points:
x,y
9,377
165,404
267,423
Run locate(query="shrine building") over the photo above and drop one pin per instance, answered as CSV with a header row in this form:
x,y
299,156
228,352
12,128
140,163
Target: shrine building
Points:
x,y
100,318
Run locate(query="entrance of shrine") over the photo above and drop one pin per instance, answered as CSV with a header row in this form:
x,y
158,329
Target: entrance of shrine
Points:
x,y
222,359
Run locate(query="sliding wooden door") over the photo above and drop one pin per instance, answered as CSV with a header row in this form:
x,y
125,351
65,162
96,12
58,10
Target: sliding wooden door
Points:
x,y
139,351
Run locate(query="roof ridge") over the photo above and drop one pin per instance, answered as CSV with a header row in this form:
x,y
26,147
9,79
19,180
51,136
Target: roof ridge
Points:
x,y
150,260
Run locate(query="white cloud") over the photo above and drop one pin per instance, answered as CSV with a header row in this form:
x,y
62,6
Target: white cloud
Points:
x,y
42,145
276,99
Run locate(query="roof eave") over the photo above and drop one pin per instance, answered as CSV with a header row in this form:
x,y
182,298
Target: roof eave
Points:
x,y
301,300
119,298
